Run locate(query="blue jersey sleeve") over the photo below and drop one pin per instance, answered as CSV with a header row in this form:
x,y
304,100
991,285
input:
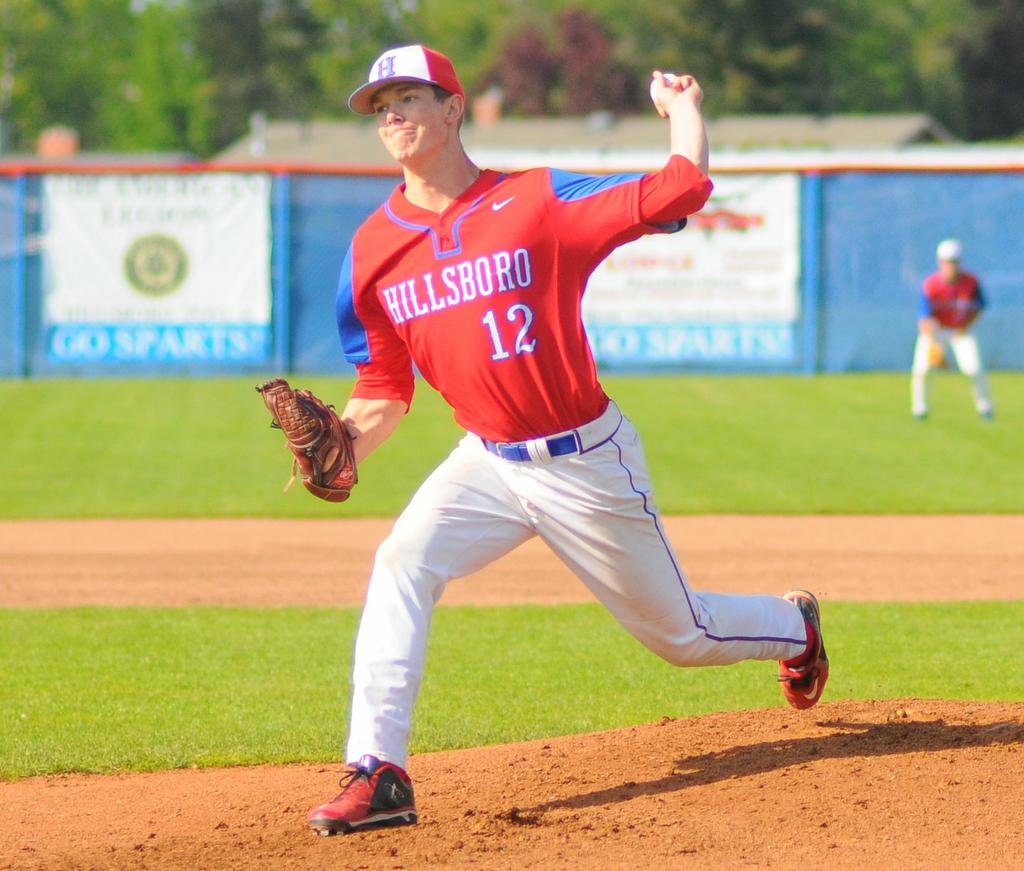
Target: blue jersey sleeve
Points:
x,y
571,187
368,339
595,214
354,340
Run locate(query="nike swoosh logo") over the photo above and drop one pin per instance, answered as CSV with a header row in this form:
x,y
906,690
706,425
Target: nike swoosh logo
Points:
x,y
499,206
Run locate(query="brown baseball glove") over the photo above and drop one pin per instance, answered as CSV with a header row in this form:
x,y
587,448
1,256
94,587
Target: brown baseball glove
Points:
x,y
317,438
936,355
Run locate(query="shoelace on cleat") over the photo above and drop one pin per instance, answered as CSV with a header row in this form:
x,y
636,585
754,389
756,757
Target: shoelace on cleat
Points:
x,y
349,777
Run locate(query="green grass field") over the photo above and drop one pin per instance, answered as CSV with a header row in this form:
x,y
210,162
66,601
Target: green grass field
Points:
x,y
718,444
103,689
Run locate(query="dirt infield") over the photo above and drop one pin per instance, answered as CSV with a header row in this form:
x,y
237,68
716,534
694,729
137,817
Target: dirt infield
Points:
x,y
861,785
255,562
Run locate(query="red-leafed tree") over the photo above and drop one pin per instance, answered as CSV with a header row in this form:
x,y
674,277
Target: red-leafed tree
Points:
x,y
526,71
591,79
580,75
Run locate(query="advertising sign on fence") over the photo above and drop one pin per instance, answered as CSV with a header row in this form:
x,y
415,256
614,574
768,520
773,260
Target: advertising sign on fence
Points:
x,y
723,290
161,268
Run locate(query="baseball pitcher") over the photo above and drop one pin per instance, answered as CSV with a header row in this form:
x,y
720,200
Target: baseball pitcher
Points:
x,y
475,278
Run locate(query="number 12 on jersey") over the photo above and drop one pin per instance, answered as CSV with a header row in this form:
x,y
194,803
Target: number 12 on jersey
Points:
x,y
523,344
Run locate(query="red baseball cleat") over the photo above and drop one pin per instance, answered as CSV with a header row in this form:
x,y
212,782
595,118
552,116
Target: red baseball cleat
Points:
x,y
376,794
803,678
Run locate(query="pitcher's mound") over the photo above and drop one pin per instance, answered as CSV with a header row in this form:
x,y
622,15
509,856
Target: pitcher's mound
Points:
x,y
904,784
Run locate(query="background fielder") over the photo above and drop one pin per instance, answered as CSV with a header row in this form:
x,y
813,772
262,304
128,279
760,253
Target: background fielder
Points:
x,y
476,278
951,301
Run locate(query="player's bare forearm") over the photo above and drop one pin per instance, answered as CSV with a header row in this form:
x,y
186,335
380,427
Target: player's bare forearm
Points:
x,y
688,135
371,422
927,326
679,99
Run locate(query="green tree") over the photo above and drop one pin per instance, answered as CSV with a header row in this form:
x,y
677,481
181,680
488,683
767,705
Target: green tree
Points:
x,y
762,55
188,74
991,65
164,101
354,33
65,58
231,43
294,33
474,35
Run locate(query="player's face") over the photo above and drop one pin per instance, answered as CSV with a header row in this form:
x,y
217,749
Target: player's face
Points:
x,y
949,269
411,121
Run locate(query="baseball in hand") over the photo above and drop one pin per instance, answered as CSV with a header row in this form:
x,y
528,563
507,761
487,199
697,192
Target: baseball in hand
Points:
x,y
655,84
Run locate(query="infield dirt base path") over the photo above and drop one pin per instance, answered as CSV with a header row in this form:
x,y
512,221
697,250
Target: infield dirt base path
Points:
x,y
907,784
327,562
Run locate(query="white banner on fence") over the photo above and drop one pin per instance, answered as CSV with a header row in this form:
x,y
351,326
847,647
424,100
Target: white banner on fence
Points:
x,y
170,267
724,290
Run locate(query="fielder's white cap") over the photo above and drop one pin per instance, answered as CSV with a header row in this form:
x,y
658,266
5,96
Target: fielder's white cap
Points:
x,y
410,63
949,249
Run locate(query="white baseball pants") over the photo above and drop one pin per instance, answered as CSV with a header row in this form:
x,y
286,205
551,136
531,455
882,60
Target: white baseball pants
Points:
x,y
964,347
594,509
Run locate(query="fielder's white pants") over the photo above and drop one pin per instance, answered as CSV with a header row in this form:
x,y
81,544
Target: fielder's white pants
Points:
x,y
594,509
964,347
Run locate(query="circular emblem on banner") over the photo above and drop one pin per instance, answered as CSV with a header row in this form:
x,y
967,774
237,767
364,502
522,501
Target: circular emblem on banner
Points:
x,y
156,264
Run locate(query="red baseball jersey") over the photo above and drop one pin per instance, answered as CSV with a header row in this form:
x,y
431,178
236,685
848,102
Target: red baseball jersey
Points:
x,y
951,303
484,298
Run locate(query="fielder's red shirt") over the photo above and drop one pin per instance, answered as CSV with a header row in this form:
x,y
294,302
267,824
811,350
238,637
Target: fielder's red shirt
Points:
x,y
951,303
484,298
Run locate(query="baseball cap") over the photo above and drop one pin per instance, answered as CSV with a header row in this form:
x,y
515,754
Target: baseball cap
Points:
x,y
409,63
949,249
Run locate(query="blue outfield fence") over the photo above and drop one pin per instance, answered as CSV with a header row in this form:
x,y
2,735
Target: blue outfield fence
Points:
x,y
326,211
879,235
12,275
866,241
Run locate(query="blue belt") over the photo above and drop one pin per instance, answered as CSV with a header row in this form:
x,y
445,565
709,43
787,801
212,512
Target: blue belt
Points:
x,y
517,452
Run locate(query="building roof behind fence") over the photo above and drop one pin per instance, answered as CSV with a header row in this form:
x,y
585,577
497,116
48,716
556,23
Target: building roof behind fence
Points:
x,y
356,142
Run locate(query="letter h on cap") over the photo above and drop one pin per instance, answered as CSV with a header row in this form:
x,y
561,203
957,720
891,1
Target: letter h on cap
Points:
x,y
386,68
